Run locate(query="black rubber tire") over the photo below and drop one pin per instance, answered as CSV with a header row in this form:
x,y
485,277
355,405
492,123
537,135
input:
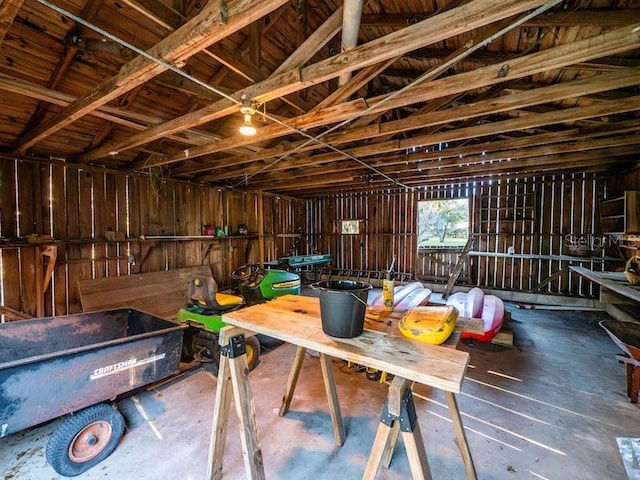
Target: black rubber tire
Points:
x,y
269,343
252,346
62,441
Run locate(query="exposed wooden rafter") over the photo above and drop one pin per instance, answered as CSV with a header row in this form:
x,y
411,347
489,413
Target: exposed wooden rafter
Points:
x,y
199,33
464,18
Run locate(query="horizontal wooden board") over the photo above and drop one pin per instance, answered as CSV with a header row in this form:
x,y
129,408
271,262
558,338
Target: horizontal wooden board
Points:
x,y
296,319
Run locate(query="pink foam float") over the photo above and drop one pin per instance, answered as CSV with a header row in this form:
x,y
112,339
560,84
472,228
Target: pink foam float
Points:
x,y
458,300
492,316
399,294
473,303
417,298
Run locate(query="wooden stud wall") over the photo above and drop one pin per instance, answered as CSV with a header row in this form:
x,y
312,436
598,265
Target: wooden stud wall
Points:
x,y
537,216
77,206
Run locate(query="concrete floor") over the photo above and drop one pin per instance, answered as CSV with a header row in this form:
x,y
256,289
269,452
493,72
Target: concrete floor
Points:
x,y
550,408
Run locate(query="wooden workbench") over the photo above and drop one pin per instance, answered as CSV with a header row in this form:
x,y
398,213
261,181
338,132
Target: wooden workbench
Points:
x,y
611,282
296,320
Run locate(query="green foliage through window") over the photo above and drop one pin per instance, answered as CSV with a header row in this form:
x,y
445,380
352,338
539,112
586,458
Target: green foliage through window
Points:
x,y
443,223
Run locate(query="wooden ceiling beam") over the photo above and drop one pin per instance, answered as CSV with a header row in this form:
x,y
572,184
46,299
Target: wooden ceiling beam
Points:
x,y
613,41
302,54
536,166
317,40
516,147
561,116
451,164
209,26
531,165
567,115
600,17
504,103
483,58
469,16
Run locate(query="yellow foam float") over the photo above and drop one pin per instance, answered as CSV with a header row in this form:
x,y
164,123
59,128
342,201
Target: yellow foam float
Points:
x,y
429,324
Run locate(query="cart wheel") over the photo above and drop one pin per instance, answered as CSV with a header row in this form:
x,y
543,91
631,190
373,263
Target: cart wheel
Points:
x,y
252,346
84,439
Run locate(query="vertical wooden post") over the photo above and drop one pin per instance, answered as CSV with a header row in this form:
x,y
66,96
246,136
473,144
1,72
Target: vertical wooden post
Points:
x,y
461,438
261,228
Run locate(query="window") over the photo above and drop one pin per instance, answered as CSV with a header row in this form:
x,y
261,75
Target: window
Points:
x,y
349,227
443,223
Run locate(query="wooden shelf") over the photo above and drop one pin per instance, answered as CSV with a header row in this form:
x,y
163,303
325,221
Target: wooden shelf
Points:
x,y
80,241
209,238
621,215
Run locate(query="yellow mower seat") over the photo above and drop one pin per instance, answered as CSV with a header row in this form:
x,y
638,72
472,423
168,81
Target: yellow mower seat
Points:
x,y
204,292
226,299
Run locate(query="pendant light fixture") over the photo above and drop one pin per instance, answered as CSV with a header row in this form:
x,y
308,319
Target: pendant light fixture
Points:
x,y
247,129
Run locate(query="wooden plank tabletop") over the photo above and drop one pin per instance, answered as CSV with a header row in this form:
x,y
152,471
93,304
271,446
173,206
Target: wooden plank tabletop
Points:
x,y
296,320
614,281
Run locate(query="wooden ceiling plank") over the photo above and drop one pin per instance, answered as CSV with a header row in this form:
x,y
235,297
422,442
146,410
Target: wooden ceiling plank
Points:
x,y
157,12
467,17
316,41
302,54
483,58
534,163
501,149
556,117
536,145
622,39
200,32
494,128
504,103
470,16
133,120
359,80
8,11
600,17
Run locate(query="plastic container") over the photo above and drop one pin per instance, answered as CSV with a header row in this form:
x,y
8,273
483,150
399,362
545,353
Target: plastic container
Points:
x,y
342,307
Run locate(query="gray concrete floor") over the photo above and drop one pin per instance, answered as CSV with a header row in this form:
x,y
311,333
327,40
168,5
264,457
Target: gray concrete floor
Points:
x,y
550,408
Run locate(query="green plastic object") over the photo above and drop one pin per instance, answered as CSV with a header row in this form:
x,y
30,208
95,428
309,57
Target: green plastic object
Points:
x,y
194,314
270,284
279,282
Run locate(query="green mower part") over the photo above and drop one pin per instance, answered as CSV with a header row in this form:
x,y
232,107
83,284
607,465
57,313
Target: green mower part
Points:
x,y
194,314
279,282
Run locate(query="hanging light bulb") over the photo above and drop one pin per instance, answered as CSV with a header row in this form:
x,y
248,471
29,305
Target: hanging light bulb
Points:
x,y
247,110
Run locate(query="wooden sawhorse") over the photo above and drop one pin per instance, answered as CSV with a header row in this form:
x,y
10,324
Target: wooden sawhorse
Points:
x,y
398,416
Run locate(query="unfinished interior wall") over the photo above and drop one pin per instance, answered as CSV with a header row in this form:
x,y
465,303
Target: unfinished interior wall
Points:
x,y
542,218
159,219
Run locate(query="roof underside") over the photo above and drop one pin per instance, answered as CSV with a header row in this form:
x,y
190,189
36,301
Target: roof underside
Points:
x,y
349,97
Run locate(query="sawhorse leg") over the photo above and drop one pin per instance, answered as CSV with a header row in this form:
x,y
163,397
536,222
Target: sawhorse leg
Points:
x,y
330,388
461,438
233,378
399,415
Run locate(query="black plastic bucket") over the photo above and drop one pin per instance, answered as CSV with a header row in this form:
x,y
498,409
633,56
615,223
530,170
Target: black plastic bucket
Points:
x,y
342,307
